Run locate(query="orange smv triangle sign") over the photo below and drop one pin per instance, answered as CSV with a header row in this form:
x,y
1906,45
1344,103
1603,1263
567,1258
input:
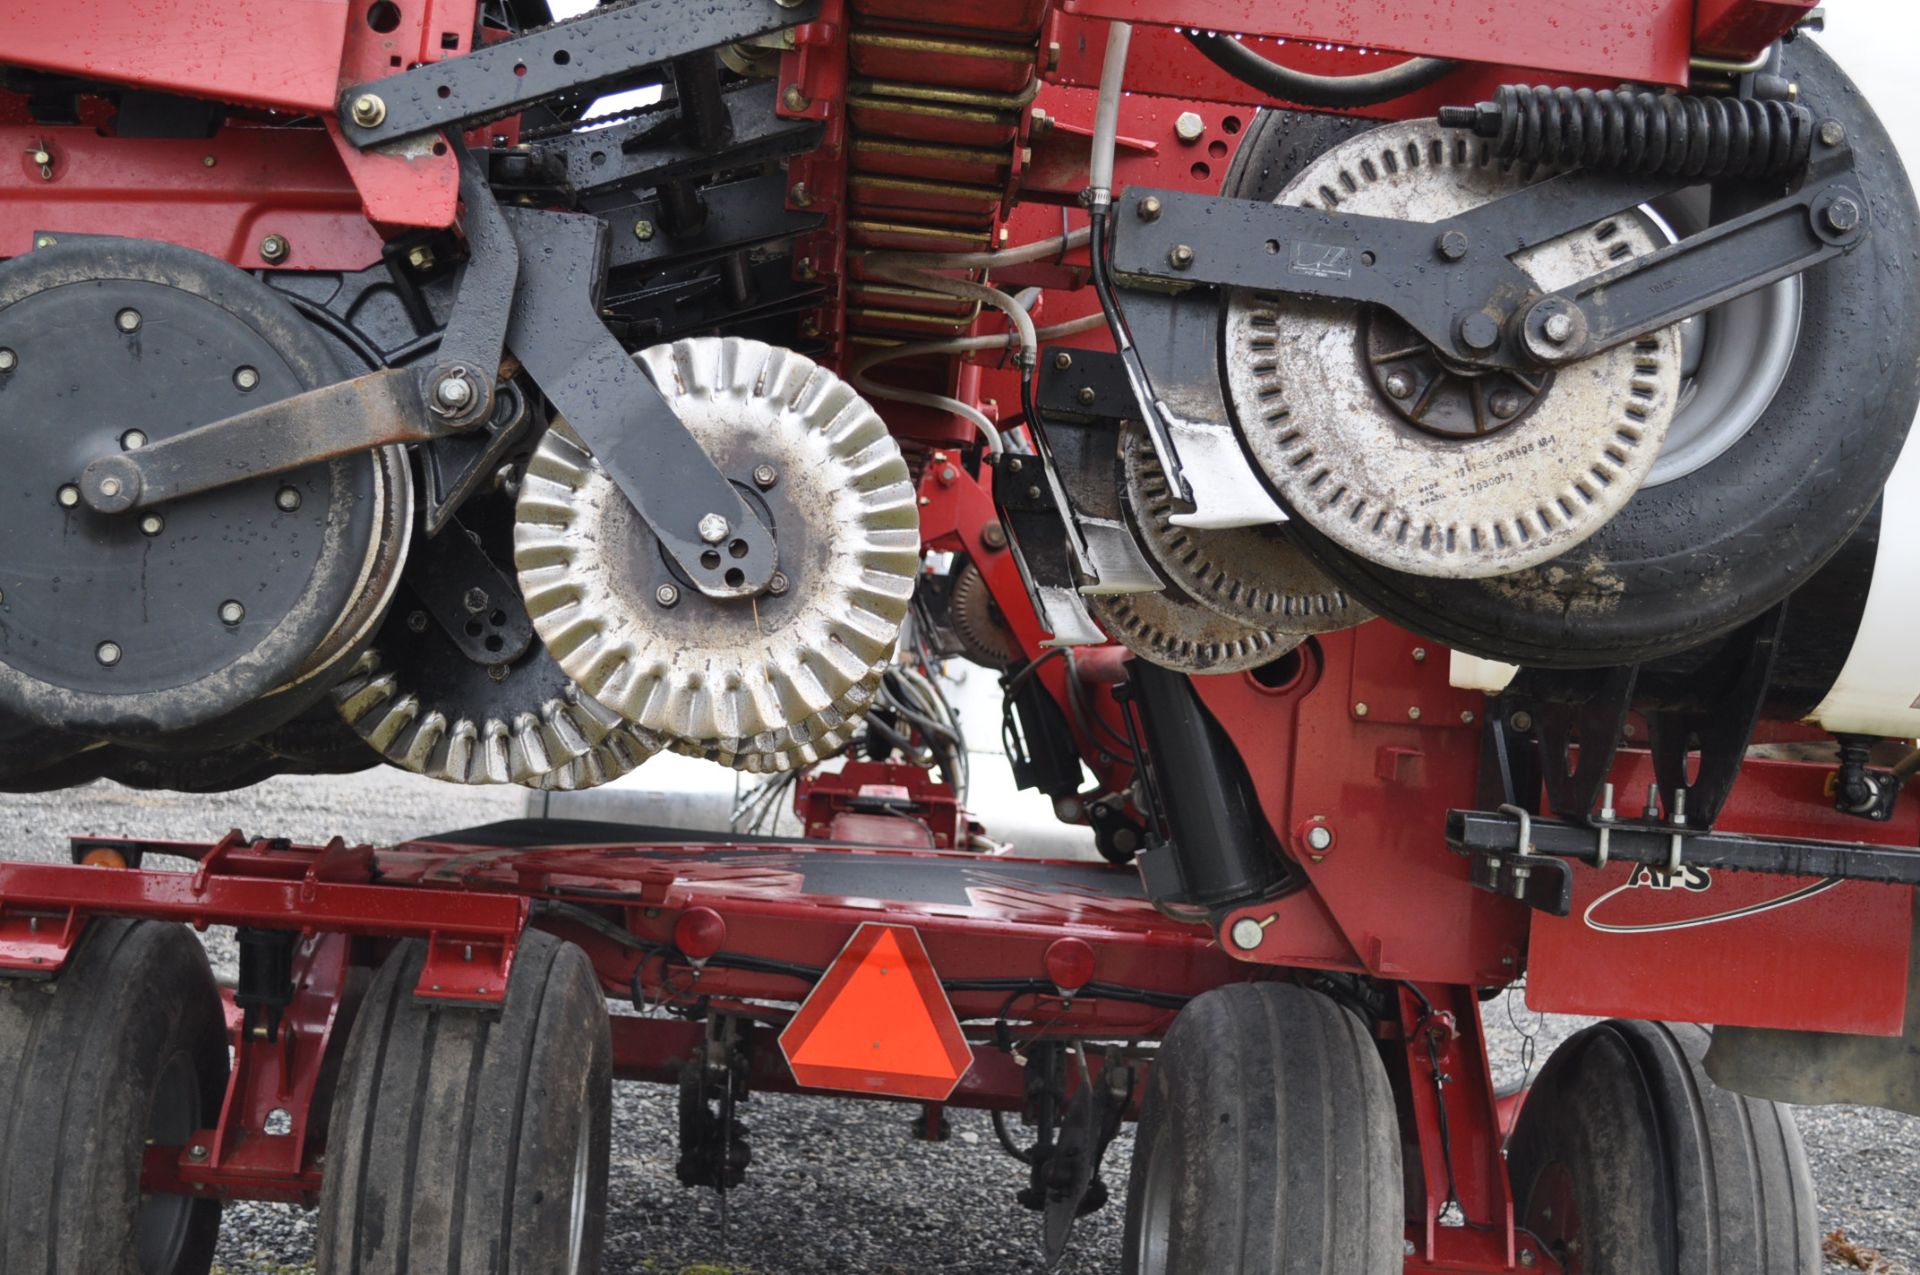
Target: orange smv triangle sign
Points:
x,y
879,1022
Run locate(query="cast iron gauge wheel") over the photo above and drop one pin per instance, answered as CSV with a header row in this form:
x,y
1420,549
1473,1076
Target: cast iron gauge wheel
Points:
x,y
816,464
1627,1160
1256,576
128,1046
1268,1142
137,625
472,1140
1172,630
1746,514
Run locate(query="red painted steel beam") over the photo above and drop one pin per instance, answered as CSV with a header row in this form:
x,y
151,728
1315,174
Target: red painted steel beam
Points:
x,y
1647,40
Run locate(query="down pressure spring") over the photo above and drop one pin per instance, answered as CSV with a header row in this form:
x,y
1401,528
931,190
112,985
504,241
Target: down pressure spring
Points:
x,y
1638,132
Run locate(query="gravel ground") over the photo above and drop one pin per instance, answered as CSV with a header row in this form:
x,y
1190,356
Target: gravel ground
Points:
x,y
836,1186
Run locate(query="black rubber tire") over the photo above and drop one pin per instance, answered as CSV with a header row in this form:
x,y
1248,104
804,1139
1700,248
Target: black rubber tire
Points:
x,y
1694,558
455,1132
1268,1143
1668,1173
82,1062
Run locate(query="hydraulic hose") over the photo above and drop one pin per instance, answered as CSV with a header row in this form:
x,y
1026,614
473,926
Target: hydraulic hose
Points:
x,y
1327,91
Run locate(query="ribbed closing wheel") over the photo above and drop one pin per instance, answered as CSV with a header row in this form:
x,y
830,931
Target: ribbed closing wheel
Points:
x,y
1627,1160
1268,1144
127,1046
1793,406
472,1140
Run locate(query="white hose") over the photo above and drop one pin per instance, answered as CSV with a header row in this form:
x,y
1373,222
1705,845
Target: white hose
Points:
x,y
989,432
1025,254
1106,110
968,290
972,344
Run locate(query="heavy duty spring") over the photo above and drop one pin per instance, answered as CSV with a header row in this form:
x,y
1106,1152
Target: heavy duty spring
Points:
x,y
1638,132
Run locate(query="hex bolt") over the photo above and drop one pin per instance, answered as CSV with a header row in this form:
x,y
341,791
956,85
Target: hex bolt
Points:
x,y
231,612
1413,714
369,111
1189,127
196,1152
453,392
1085,396
498,672
713,528
777,583
1558,327
127,320
1843,215
1466,717
1504,404
108,653
1062,361
643,230
1320,838
1181,257
993,536
274,249
475,601
287,499
1521,721
795,98
151,524
1360,709
1452,245
799,195
666,595
1527,1257
1247,933
1479,331
1832,133
1149,208
42,156
765,476
417,621
68,496
133,440
109,486
1399,384
8,360
1015,465
246,379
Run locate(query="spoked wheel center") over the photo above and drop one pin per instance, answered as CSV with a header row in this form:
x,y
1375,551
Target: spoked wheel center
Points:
x,y
1440,395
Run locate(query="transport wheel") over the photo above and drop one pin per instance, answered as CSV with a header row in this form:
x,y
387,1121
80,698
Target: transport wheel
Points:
x,y
127,1046
1268,1143
1627,1160
472,1140
1790,419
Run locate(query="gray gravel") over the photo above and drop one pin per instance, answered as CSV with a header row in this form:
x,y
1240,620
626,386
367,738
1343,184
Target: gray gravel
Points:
x,y
836,1186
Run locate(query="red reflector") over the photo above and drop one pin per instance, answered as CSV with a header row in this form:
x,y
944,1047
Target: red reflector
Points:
x,y
879,1022
1070,964
699,932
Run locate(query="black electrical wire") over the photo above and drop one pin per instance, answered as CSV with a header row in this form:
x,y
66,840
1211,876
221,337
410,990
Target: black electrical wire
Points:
x,y
1307,89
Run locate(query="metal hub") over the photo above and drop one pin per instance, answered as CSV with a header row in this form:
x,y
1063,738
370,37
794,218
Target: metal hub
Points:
x,y
1425,482
984,637
1255,576
609,605
177,617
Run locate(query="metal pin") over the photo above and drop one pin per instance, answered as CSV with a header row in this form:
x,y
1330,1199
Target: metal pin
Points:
x,y
1605,821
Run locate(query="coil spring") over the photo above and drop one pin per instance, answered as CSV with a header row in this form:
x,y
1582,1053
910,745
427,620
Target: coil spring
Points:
x,y
1639,132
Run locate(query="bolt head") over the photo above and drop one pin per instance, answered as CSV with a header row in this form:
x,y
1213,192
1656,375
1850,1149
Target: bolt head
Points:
x,y
420,257
1189,127
1504,404
777,583
1062,361
1558,327
246,379
799,195
765,476
287,499
666,595
1246,933
1360,709
993,536
1320,837
133,440
196,1152
1413,714
127,320
1466,717
8,360
643,230
1399,384
453,391
231,612
417,621
1843,214
68,496
1479,331
109,486
1453,245
43,157
1181,257
1085,396
1149,208
108,653
1521,721
151,524
475,600
1832,133
274,248
369,111
795,98
713,528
